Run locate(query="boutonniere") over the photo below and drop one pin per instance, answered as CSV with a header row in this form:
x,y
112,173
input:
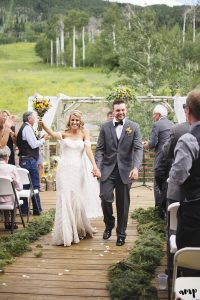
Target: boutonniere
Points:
x,y
128,130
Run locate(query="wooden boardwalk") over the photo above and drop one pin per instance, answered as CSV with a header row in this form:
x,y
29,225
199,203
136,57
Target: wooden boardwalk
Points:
x,y
77,272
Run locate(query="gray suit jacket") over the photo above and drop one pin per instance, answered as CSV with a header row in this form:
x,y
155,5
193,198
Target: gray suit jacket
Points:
x,y
174,191
127,152
159,135
176,132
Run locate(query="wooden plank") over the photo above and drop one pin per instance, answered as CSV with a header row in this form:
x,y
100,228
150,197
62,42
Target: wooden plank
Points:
x,y
77,272
15,296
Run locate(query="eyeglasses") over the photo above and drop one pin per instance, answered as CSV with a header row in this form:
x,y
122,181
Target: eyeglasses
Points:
x,y
185,106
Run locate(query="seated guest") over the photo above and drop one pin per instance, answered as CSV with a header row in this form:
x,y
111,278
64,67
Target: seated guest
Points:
x,y
11,171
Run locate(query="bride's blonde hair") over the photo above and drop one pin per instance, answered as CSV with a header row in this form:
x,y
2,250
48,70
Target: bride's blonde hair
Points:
x,y
77,114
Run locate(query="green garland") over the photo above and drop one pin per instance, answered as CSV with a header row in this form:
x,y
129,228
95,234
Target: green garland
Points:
x,y
131,278
19,242
121,93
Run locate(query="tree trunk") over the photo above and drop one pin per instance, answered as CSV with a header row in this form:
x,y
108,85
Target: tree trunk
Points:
x,y
83,44
62,46
184,25
74,48
129,25
92,36
114,38
194,27
57,51
51,52
149,64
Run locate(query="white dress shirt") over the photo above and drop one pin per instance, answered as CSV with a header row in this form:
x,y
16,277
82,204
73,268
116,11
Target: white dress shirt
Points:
x,y
28,135
119,128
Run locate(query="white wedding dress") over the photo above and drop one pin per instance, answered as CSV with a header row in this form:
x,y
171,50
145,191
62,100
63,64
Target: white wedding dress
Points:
x,y
77,193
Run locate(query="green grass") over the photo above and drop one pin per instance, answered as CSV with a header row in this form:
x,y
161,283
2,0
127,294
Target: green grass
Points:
x,y
22,74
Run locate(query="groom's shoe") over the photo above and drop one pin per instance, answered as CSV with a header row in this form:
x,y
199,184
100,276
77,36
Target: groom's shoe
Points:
x,y
120,241
107,234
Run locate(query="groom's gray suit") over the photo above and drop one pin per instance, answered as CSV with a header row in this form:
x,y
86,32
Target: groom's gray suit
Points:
x,y
115,159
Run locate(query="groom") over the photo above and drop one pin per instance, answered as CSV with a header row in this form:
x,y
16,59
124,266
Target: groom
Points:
x,y
118,156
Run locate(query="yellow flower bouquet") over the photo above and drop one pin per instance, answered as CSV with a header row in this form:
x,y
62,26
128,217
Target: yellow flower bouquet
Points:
x,y
41,106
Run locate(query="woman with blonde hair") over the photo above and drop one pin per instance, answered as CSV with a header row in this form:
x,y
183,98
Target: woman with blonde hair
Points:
x,y
77,189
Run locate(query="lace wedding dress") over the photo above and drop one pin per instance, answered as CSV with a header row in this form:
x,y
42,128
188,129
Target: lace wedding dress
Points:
x,y
77,193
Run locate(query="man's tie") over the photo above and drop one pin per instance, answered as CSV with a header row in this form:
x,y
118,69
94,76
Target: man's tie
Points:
x,y
118,123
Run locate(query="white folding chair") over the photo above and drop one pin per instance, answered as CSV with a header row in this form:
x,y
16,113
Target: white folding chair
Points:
x,y
186,288
29,193
171,238
172,225
7,188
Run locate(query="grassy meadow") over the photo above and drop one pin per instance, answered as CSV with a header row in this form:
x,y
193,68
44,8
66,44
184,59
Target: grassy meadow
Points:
x,y
22,74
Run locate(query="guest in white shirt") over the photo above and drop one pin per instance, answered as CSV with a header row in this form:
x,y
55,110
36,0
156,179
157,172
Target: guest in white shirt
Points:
x,y
29,145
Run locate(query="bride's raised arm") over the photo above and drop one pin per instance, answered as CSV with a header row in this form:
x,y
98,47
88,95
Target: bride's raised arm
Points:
x,y
57,135
96,172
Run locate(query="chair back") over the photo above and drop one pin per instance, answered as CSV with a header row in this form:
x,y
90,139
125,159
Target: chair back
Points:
x,y
172,209
24,176
6,187
188,257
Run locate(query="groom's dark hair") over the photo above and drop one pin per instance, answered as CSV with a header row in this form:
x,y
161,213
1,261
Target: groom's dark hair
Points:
x,y
118,101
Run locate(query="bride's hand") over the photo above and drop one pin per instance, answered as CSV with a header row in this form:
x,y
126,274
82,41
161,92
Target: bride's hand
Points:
x,y
96,172
40,123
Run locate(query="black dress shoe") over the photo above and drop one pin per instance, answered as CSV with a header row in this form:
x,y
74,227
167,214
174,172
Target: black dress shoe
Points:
x,y
120,241
107,234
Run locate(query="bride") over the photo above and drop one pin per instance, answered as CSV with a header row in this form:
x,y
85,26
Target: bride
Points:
x,y
77,189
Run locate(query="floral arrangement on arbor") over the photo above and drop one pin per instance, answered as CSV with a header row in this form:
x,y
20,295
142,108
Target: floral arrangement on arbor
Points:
x,y
121,93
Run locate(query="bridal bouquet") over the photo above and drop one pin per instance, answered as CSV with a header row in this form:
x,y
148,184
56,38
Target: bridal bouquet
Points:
x,y
41,106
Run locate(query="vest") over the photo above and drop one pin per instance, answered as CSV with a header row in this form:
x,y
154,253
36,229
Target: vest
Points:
x,y
192,185
24,148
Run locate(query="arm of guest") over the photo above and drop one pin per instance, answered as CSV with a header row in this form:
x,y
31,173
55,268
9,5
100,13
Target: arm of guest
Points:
x,y
4,136
154,137
169,146
138,148
186,151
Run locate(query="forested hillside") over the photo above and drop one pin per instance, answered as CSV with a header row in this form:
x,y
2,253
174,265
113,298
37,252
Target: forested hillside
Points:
x,y
157,48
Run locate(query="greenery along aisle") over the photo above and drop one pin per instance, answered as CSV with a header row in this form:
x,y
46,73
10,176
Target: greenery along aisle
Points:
x,y
19,242
131,278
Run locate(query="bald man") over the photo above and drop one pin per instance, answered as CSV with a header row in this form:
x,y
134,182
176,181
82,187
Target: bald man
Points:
x,y
159,135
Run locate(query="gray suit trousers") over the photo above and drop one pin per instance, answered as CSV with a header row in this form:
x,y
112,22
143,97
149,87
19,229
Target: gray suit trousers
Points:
x,y
122,193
